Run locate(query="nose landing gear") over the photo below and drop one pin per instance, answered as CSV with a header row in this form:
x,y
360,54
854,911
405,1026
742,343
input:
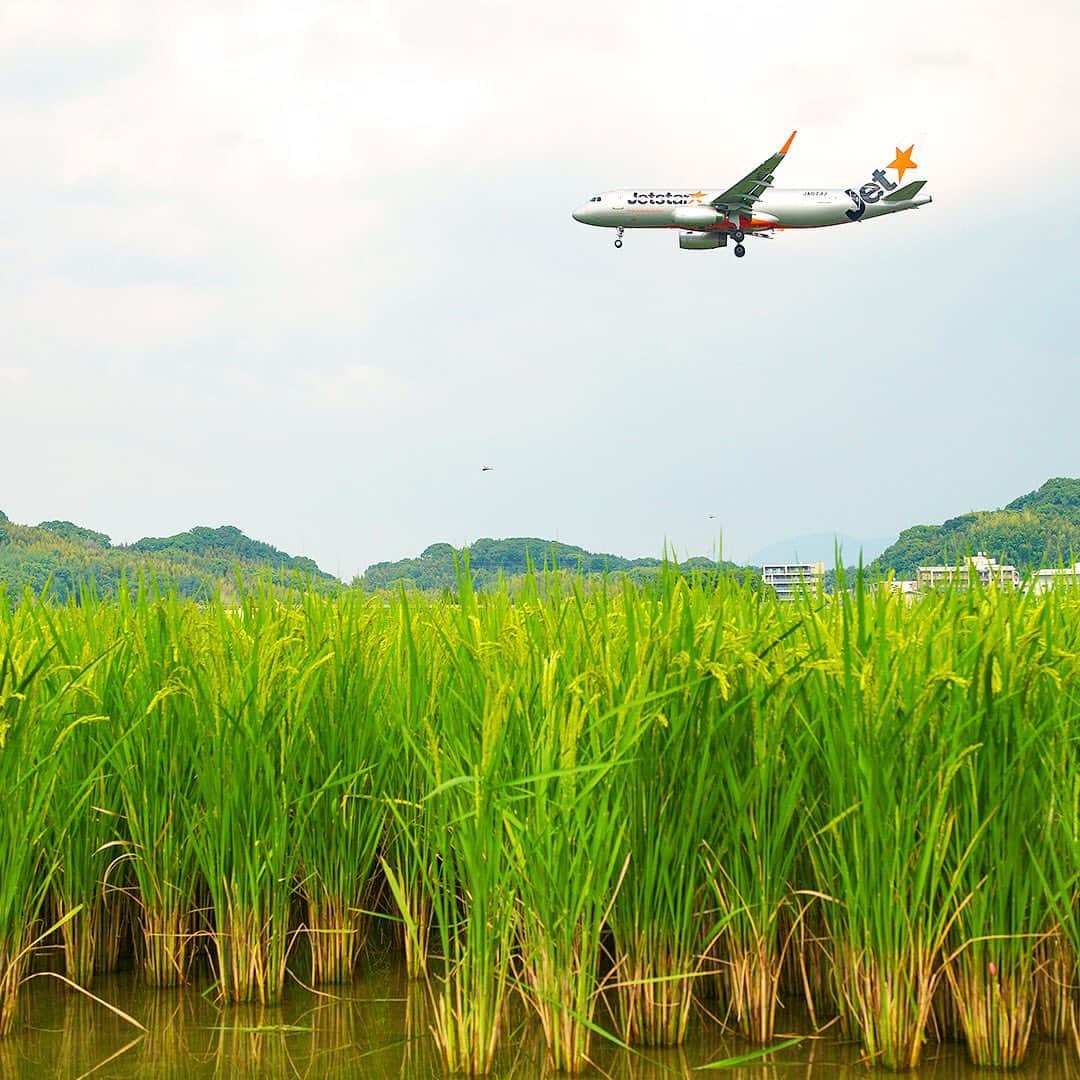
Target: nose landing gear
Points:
x,y
618,236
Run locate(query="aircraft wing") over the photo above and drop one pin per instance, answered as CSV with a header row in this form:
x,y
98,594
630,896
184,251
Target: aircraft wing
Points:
x,y
750,188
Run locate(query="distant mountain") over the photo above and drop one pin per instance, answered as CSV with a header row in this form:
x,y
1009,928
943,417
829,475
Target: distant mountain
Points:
x,y
65,555
1041,528
226,543
511,557
70,531
820,547
1058,498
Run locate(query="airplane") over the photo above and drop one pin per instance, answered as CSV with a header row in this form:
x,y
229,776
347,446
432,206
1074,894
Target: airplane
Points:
x,y
753,207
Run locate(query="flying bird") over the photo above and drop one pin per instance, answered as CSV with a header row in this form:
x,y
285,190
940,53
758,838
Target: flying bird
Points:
x,y
487,468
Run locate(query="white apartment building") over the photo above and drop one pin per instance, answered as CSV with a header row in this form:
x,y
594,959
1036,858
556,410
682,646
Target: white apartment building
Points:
x,y
979,565
1044,580
789,578
908,589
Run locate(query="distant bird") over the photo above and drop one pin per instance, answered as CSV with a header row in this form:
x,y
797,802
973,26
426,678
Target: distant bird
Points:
x,y
712,517
487,468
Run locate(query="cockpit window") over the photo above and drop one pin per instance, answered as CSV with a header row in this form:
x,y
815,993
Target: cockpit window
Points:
x,y
595,198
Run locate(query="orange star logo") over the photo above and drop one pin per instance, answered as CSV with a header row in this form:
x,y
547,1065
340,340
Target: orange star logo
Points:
x,y
697,196
902,162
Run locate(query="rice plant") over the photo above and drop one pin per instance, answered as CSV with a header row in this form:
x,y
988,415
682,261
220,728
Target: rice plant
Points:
x,y
83,818
671,800
244,825
340,765
764,811
570,852
469,884
891,742
29,739
151,683
1003,823
414,672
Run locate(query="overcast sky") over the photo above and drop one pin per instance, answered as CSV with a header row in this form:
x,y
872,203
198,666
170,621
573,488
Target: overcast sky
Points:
x,y
305,268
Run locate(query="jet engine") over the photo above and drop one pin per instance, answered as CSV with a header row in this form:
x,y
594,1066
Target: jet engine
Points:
x,y
695,217
698,241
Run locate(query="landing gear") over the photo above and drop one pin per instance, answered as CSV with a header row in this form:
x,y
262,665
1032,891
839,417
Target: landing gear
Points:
x,y
738,236
740,251
618,236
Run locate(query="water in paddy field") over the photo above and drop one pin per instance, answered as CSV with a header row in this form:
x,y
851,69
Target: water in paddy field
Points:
x,y
375,1026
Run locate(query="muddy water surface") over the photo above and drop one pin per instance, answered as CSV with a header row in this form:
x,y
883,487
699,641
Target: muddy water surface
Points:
x,y
375,1027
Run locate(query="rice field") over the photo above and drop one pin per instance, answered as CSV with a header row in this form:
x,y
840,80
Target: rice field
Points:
x,y
615,807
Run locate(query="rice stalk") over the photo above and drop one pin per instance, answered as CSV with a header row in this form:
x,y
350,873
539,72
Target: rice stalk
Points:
x,y
247,819
341,764
569,849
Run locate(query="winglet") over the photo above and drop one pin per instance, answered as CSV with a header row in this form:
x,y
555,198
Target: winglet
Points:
x,y
787,146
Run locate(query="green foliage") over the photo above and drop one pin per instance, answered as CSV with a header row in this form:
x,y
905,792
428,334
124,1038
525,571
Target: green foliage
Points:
x,y
493,560
67,559
71,531
1041,528
224,547
1060,496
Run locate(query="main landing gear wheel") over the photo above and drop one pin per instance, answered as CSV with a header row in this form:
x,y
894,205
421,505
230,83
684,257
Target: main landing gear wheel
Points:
x,y
740,251
738,236
618,237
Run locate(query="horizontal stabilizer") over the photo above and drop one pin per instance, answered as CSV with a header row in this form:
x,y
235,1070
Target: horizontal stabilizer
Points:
x,y
908,192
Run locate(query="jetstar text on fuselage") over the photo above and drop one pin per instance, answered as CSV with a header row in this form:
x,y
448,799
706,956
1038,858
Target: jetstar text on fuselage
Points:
x,y
662,198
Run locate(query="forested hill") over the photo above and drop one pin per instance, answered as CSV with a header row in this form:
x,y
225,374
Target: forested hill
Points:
x,y
226,543
64,555
1041,528
490,559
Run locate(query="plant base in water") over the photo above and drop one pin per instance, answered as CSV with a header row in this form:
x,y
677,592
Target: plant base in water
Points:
x,y
996,1008
468,1011
1055,964
79,935
753,980
11,974
655,996
251,953
890,1004
563,996
336,934
166,947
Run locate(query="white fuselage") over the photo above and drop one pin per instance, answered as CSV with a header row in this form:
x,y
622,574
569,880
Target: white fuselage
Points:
x,y
777,208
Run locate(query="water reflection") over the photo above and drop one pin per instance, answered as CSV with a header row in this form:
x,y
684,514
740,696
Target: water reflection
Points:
x,y
377,1027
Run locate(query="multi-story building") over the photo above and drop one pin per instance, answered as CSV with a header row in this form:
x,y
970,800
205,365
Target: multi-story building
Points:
x,y
978,566
908,589
1045,580
789,578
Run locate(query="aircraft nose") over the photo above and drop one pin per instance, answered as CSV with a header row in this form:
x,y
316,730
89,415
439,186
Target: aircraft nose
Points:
x,y
582,214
